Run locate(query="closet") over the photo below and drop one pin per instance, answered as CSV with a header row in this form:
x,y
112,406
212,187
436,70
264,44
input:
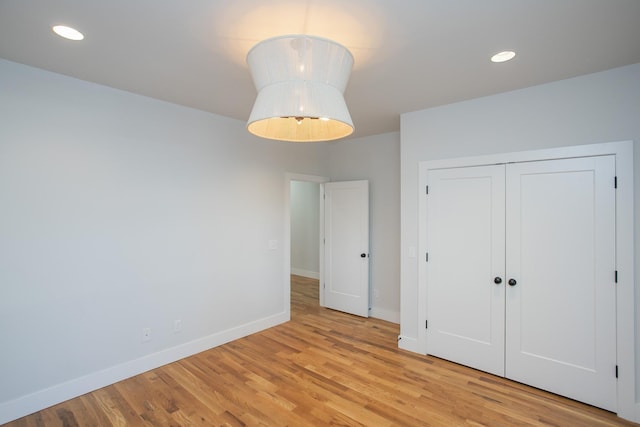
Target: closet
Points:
x,y
520,270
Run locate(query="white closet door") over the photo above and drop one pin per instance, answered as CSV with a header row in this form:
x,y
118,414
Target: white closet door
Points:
x,y
465,234
560,313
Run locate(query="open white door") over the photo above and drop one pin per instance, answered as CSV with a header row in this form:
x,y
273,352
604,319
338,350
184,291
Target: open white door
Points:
x,y
346,247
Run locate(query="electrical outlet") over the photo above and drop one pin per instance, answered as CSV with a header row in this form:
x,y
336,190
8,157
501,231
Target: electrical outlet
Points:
x,y
146,334
177,326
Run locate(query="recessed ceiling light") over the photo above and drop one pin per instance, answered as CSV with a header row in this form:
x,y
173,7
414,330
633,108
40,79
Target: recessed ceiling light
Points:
x,y
503,56
68,32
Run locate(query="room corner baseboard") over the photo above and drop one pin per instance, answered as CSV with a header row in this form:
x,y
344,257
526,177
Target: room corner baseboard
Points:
x,y
383,314
305,273
25,405
408,343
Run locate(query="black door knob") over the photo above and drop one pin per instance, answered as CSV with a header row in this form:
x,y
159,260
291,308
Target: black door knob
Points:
x,y
363,255
512,282
497,280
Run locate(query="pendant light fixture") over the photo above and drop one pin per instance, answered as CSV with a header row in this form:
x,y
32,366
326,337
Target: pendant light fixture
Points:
x,y
300,81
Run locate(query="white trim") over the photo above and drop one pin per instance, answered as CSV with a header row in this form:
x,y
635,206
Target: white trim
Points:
x,y
305,273
628,408
384,314
530,156
25,405
408,343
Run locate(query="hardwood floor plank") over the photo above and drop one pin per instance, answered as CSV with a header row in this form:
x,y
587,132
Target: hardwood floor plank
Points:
x,y
321,368
97,416
117,409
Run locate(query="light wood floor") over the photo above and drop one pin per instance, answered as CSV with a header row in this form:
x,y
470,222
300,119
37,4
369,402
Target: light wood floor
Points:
x,y
322,368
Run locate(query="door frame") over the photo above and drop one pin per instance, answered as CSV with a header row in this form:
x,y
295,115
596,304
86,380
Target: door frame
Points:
x,y
625,291
286,239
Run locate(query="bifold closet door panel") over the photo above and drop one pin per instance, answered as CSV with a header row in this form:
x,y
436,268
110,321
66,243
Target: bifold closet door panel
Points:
x,y
465,270
560,263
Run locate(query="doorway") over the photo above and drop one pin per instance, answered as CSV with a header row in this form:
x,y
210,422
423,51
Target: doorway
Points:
x,y
305,229
304,226
327,240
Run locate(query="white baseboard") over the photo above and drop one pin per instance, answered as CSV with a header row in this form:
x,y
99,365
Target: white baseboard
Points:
x,y
305,273
388,315
636,416
25,405
409,344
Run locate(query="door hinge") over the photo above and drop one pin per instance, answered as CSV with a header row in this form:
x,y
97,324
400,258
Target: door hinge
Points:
x,y
616,276
616,371
615,182
426,324
427,190
426,257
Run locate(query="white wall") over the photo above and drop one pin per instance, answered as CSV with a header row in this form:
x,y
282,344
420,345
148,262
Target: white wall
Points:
x,y
377,159
305,229
602,107
120,212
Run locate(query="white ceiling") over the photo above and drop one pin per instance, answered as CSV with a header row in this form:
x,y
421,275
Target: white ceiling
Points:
x,y
409,54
